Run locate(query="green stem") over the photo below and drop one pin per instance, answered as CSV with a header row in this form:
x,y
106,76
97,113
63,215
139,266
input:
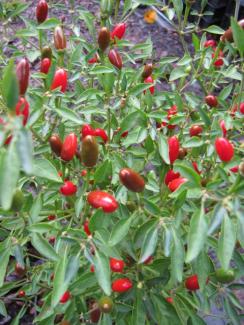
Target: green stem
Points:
x,y
187,11
237,8
116,11
40,39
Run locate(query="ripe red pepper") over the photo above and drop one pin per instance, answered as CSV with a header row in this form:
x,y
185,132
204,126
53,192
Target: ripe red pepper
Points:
x,y
41,11
101,133
103,38
21,294
131,180
104,200
218,62
52,239
45,65
86,228
169,300
68,188
242,108
149,80
191,283
95,59
224,149
211,100
118,31
92,268
115,59
210,43
122,285
195,130
235,169
86,130
83,172
56,144
117,265
65,297
124,134
170,176
22,108
174,147
59,38
51,217
60,80
223,127
22,73
69,147
176,183
195,166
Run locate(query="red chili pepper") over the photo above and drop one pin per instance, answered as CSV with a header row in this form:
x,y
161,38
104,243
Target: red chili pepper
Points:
x,y
83,172
115,59
56,144
224,149
41,11
22,73
174,147
223,127
211,100
69,147
92,268
60,80
191,283
21,294
131,180
65,297
68,188
117,265
22,108
210,43
51,217
122,285
124,134
101,133
45,65
242,108
219,62
86,228
235,169
86,130
170,176
118,31
176,183
95,59
52,239
169,300
104,200
195,166
149,80
172,111
195,130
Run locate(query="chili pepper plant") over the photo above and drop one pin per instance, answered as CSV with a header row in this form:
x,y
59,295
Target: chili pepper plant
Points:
x,y
120,202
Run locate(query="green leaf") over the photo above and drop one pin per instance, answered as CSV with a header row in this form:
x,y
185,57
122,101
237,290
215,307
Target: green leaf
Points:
x,y
10,86
138,89
96,70
226,243
177,73
178,6
59,285
197,235
69,115
42,227
177,257
120,230
134,119
103,172
214,30
44,168
43,247
149,244
3,310
72,268
9,174
238,35
36,209
96,221
163,148
24,146
188,173
4,258
194,142
102,272
49,23
138,312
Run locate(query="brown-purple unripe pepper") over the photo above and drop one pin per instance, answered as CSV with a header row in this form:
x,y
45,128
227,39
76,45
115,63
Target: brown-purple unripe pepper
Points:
x,y
148,69
56,144
103,38
131,180
23,73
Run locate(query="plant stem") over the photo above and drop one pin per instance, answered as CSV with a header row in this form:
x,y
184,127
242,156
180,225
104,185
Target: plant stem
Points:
x,y
116,11
40,39
237,8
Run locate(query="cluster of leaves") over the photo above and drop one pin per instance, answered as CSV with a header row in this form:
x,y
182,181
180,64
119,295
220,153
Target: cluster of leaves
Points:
x,y
163,237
